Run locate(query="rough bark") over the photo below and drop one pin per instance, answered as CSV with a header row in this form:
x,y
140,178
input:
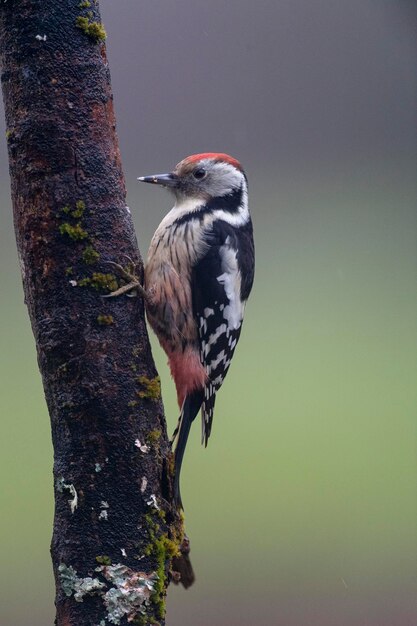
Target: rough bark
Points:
x,y
114,528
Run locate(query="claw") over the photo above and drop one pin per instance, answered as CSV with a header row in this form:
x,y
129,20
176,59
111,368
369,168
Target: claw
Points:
x,y
131,261
123,289
132,285
121,270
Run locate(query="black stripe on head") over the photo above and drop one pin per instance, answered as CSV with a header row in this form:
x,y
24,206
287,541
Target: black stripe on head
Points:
x,y
229,203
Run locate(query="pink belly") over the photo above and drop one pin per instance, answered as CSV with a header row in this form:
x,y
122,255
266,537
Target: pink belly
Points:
x,y
187,372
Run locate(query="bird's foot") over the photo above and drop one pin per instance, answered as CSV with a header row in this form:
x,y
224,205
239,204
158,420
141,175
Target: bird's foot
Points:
x,y
132,283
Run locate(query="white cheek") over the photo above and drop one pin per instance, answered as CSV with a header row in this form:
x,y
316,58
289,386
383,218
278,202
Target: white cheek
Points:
x,y
224,179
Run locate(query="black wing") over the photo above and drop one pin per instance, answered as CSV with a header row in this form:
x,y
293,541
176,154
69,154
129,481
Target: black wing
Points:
x,y
221,283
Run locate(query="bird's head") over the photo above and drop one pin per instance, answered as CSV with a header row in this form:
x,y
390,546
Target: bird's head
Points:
x,y
208,175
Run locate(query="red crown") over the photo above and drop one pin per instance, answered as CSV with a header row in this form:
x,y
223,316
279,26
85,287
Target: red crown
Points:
x,y
216,156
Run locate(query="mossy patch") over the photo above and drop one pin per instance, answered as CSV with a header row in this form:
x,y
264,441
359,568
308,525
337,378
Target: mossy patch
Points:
x,y
100,282
78,212
144,620
162,549
90,255
103,559
151,387
153,436
85,4
75,232
105,320
94,30
171,464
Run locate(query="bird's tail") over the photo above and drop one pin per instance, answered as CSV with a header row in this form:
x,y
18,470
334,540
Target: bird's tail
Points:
x,y
189,411
207,412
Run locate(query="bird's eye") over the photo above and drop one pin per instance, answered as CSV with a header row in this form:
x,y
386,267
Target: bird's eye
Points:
x,y
200,173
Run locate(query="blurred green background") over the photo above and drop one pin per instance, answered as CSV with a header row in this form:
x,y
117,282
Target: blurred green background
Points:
x,y
302,511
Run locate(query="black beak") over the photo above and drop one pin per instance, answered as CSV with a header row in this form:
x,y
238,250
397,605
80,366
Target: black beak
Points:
x,y
166,180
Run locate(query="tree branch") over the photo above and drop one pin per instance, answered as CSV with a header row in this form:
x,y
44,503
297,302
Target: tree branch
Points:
x,y
115,530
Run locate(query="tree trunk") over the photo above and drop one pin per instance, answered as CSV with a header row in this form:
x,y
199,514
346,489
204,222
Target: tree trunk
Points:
x,y
115,529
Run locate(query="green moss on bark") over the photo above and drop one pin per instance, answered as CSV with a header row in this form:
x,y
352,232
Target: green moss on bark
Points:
x,y
94,30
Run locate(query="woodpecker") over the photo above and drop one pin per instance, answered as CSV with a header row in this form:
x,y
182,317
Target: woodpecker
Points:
x,y
198,277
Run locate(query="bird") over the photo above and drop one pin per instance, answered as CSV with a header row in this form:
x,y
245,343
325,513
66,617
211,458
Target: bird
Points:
x,y
198,276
